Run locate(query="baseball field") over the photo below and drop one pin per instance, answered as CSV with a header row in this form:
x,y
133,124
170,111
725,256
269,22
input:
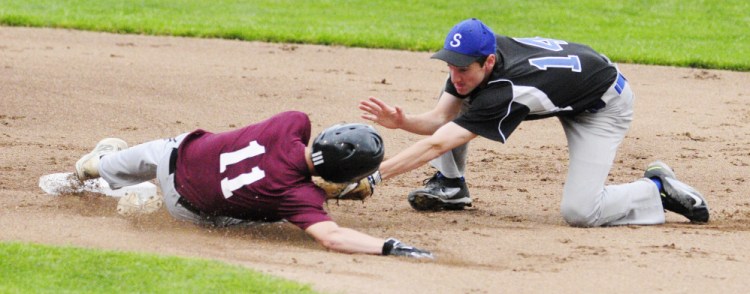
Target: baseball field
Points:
x,y
61,90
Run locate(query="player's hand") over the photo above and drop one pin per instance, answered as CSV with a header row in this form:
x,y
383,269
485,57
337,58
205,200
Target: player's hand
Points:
x,y
360,190
395,247
383,114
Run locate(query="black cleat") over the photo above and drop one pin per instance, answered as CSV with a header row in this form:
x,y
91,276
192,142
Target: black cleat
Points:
x,y
677,196
441,193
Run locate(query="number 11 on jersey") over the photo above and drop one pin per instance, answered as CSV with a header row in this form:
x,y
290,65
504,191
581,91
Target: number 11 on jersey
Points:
x,y
229,158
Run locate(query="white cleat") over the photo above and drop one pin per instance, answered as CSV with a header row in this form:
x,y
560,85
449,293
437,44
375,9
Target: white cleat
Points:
x,y
88,166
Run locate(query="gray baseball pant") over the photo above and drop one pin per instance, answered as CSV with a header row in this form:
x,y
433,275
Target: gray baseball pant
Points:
x,y
148,161
593,139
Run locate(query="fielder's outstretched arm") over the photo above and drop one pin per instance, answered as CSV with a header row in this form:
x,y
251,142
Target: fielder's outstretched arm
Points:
x,y
444,139
393,117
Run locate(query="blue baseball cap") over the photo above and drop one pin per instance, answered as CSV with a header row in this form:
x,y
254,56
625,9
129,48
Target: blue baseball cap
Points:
x,y
467,42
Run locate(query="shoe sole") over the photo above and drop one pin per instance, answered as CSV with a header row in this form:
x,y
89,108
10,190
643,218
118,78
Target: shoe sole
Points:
x,y
699,216
428,202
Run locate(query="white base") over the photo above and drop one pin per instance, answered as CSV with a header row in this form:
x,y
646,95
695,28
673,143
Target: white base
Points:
x,y
145,189
64,183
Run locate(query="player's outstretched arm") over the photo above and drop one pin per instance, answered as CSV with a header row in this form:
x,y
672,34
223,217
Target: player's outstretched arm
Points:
x,y
446,138
393,117
346,240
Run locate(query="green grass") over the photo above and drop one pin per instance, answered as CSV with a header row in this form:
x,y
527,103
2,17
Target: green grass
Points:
x,y
27,268
688,33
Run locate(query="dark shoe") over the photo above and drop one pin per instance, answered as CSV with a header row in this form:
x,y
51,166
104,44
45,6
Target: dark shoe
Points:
x,y
441,193
677,196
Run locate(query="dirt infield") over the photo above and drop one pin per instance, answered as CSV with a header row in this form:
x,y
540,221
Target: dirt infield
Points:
x,y
61,91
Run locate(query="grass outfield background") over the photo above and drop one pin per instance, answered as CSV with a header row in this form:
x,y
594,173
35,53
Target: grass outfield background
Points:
x,y
692,33
28,268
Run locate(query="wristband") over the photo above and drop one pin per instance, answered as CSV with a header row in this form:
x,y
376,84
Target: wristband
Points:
x,y
375,178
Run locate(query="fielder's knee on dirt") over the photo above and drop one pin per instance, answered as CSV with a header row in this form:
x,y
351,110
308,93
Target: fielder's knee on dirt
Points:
x,y
579,214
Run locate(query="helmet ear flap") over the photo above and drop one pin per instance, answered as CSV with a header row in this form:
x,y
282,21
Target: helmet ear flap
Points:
x,y
347,152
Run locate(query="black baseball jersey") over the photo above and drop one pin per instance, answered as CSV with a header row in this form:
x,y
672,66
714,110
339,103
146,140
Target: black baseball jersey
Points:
x,y
535,78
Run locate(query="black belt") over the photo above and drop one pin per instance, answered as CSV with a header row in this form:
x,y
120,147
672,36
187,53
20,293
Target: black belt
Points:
x,y
187,205
181,200
173,161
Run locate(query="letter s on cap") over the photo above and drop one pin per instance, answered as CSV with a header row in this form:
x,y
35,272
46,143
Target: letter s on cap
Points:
x,y
456,40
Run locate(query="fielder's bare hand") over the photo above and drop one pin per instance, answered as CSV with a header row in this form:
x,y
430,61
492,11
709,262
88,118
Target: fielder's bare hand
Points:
x,y
383,114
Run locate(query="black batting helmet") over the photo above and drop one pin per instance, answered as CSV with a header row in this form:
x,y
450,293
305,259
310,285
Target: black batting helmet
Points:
x,y
347,152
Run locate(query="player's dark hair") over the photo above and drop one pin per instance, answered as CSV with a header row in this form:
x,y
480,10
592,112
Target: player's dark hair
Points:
x,y
482,60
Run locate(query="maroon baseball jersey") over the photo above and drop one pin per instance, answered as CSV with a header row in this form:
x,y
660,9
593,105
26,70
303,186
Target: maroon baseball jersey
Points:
x,y
257,172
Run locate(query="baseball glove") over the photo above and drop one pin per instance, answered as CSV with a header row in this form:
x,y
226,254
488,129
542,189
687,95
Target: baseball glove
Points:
x,y
347,191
